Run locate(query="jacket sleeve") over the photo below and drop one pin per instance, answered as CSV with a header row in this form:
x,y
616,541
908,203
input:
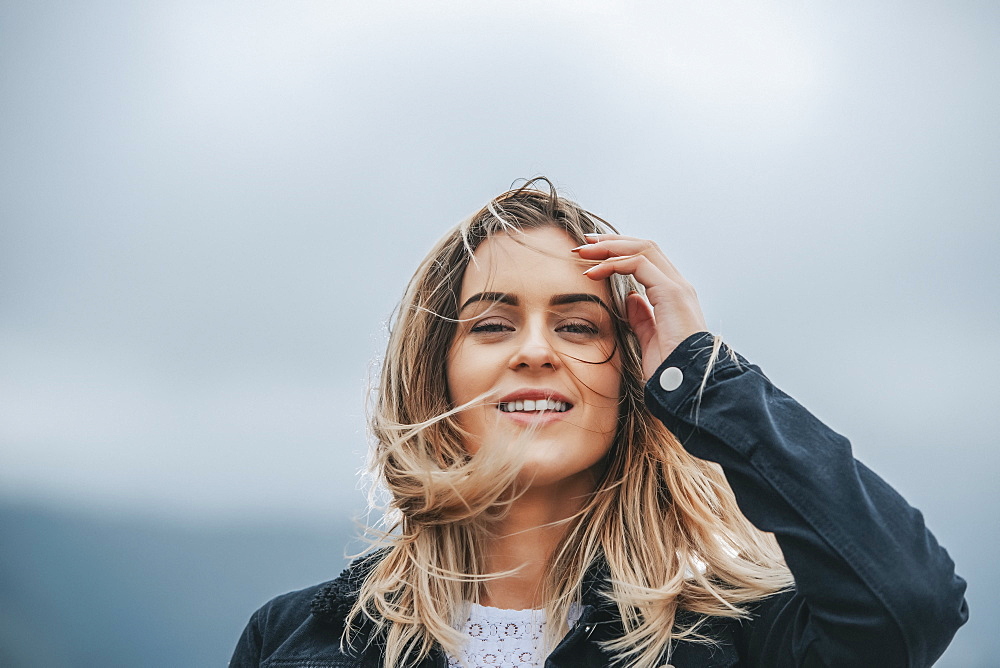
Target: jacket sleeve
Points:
x,y
247,652
283,618
872,585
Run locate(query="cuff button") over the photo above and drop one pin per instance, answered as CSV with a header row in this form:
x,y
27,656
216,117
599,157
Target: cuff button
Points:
x,y
671,378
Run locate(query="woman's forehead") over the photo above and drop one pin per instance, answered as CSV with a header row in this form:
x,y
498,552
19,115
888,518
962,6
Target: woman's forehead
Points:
x,y
538,259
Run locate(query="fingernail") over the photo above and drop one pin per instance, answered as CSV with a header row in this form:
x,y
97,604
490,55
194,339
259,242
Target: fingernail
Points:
x,y
577,249
592,234
591,269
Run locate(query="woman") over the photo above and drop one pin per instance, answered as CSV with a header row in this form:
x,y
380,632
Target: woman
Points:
x,y
578,471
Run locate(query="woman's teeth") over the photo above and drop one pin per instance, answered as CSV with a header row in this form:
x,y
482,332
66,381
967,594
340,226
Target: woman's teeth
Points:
x,y
534,406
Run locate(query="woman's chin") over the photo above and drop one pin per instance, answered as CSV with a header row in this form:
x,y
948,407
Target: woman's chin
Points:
x,y
559,474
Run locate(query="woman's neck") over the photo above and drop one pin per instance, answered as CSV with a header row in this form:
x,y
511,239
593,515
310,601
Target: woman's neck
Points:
x,y
526,540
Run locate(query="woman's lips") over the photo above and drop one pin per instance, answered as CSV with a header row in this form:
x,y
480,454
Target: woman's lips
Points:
x,y
534,406
535,417
530,405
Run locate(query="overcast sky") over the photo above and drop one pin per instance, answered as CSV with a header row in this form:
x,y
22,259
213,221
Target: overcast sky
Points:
x,y
209,210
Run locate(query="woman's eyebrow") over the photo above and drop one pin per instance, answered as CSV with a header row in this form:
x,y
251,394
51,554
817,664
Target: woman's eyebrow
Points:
x,y
572,298
501,297
512,300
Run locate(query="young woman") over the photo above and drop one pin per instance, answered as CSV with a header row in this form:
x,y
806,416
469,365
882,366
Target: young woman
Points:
x,y
581,475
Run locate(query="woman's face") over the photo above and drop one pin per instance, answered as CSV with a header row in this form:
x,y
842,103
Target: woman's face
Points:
x,y
537,337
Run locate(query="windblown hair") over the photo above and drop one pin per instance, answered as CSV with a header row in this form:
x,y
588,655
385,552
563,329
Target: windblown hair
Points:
x,y
665,523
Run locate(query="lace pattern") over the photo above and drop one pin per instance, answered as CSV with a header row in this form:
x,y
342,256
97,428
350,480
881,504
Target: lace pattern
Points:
x,y
504,638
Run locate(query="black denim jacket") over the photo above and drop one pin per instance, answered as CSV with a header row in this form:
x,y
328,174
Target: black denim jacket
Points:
x,y
872,586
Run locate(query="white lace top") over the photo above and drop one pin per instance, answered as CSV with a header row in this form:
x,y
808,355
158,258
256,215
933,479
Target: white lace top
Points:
x,y
504,638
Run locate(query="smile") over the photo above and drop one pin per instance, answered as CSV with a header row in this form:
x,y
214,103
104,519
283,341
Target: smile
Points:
x,y
534,406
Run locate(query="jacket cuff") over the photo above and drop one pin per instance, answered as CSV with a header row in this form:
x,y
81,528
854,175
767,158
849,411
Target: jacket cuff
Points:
x,y
674,386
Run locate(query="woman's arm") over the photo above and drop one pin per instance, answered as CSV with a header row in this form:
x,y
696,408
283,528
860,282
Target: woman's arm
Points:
x,y
873,587
247,652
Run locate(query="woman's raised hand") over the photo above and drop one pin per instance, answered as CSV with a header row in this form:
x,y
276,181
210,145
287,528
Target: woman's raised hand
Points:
x,y
668,314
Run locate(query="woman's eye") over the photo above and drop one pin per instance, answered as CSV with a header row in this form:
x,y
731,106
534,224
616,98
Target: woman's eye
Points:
x,y
491,327
578,327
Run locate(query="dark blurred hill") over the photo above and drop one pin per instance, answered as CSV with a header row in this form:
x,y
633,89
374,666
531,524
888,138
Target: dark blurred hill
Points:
x,y
78,590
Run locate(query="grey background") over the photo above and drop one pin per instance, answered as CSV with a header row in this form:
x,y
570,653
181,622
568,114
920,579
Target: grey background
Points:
x,y
209,209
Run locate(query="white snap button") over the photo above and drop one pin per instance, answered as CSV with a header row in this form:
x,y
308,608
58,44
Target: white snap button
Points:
x,y
671,378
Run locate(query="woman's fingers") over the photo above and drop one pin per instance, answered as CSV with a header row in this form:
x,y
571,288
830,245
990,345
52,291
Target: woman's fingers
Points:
x,y
669,312
606,246
641,258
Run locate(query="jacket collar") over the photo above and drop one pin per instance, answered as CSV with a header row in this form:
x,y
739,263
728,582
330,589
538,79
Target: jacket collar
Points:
x,y
334,600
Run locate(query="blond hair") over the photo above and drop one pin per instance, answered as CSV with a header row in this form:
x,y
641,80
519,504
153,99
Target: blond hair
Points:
x,y
665,523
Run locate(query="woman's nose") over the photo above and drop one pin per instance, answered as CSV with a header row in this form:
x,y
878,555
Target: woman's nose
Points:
x,y
534,350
